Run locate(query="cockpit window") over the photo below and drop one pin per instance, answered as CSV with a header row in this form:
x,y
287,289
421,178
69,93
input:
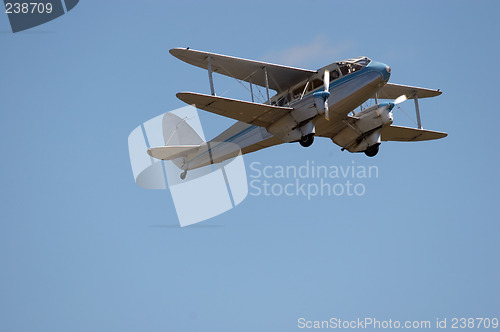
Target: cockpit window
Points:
x,y
355,67
361,61
344,69
350,66
334,74
316,83
298,91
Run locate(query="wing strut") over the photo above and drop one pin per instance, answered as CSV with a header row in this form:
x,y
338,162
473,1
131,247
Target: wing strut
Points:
x,y
251,88
417,110
267,86
210,78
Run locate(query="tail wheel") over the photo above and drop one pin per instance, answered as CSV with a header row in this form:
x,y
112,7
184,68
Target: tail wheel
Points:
x,y
307,140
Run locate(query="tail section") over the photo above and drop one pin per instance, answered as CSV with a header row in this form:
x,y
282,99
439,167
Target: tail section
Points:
x,y
188,151
180,140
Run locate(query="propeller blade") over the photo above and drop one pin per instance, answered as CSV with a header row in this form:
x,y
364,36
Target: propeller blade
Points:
x,y
400,99
326,80
326,85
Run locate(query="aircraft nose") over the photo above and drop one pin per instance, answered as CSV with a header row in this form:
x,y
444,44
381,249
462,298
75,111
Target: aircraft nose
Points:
x,y
382,68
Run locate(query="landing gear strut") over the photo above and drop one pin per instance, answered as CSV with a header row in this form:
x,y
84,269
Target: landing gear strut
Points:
x,y
372,150
307,140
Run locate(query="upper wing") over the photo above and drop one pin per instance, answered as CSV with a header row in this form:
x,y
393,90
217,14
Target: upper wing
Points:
x,y
280,77
252,113
405,134
392,91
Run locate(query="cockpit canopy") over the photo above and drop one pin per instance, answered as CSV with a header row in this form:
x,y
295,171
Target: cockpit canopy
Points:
x,y
362,61
350,66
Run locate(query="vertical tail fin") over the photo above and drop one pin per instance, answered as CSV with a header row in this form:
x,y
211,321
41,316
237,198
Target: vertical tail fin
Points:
x,y
180,140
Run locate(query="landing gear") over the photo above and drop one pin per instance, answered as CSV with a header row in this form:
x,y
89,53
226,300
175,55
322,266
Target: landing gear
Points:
x,y
307,140
372,150
183,175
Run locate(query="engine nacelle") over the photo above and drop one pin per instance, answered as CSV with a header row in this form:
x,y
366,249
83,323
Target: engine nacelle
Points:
x,y
319,100
364,130
286,129
372,139
375,116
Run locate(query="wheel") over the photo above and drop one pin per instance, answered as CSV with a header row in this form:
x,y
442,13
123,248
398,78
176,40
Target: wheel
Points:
x,y
183,175
307,140
372,150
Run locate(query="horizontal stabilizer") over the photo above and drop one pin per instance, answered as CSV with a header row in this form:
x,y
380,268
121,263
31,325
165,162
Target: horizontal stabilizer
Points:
x,y
173,151
405,134
393,91
252,113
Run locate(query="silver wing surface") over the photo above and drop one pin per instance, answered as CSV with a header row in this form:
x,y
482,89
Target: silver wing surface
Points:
x,y
280,77
405,134
252,113
392,91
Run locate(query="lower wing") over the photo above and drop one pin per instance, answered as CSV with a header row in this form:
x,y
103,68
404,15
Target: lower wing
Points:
x,y
252,113
405,134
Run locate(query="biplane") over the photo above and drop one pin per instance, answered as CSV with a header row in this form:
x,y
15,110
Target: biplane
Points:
x,y
307,104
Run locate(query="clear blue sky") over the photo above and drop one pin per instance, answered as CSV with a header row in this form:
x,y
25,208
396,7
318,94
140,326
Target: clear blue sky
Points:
x,y
82,248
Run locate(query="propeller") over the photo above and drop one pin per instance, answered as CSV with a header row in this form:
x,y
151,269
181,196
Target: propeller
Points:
x,y
396,101
326,93
400,99
321,97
